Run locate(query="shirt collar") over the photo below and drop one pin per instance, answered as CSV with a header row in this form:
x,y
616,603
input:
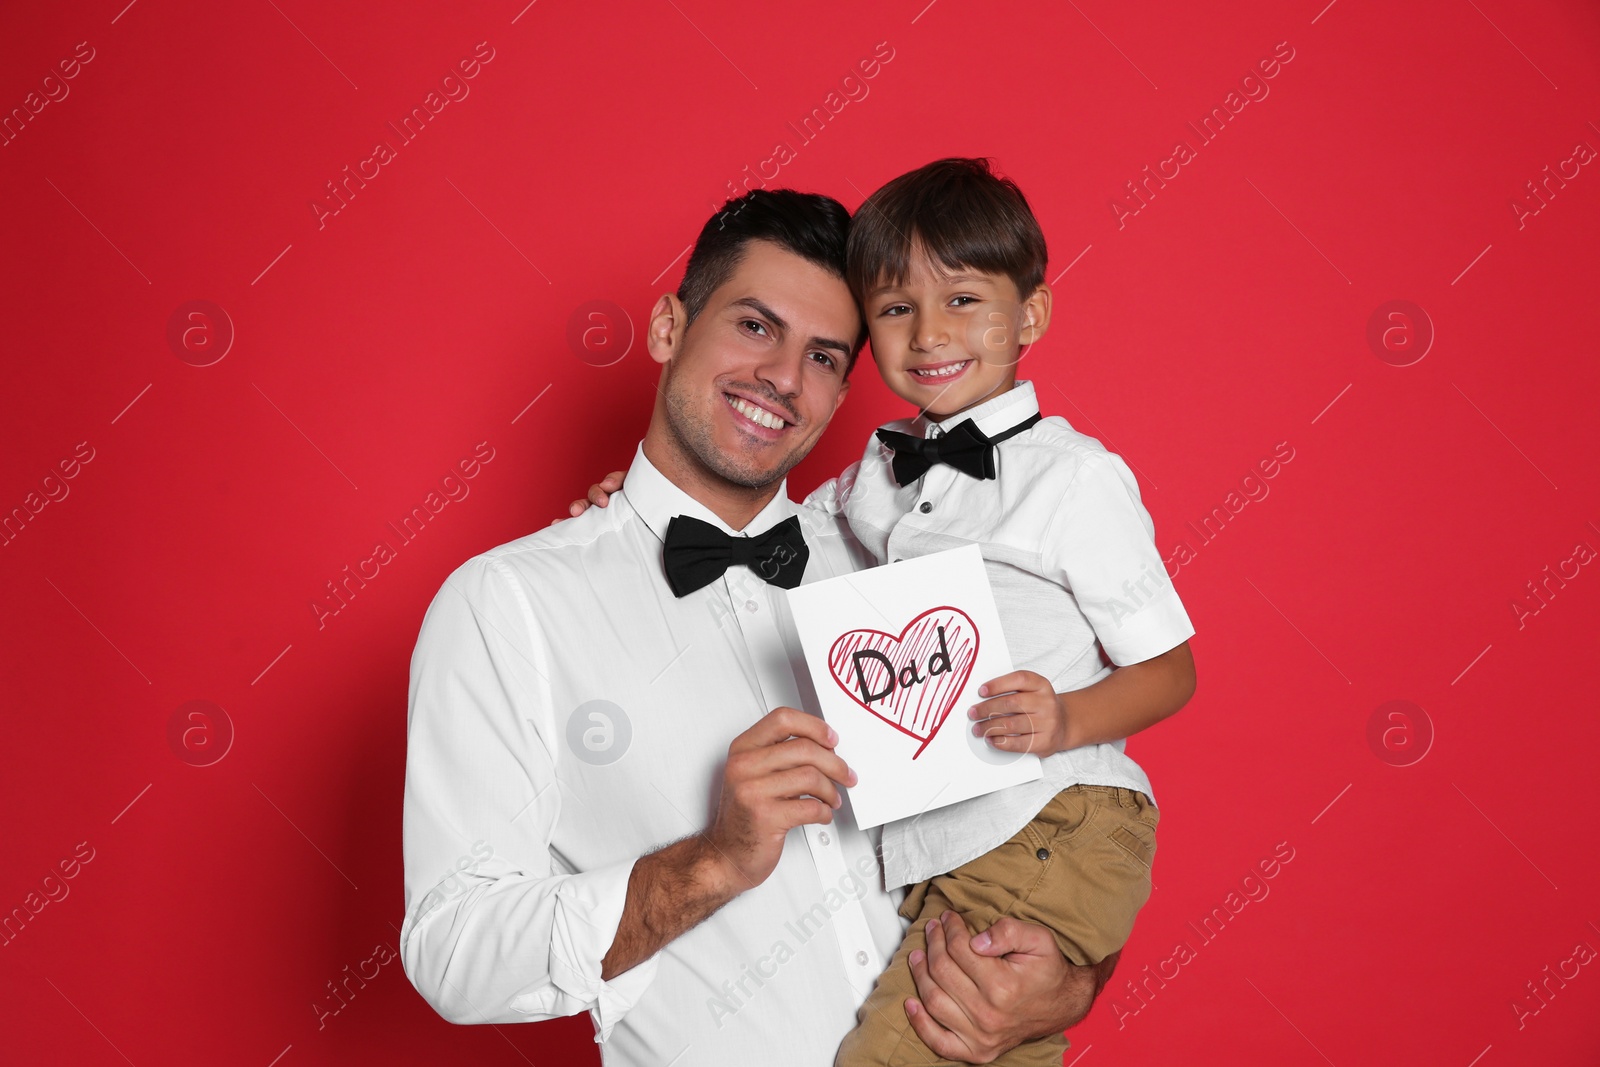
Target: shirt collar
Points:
x,y
656,499
993,417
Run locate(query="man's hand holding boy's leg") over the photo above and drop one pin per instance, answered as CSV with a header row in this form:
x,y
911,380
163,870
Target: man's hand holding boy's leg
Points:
x,y
981,996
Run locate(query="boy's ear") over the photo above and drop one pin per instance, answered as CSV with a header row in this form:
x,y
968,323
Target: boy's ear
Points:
x,y
1035,315
664,332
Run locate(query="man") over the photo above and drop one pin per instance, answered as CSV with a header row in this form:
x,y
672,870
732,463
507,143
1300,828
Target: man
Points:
x,y
612,802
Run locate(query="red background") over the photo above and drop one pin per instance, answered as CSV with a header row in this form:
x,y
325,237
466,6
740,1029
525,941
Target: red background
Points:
x,y
371,354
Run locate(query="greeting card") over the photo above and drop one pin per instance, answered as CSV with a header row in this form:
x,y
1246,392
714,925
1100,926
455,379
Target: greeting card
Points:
x,y
896,655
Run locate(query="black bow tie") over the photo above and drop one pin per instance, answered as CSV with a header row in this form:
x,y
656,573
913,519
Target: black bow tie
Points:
x,y
697,553
965,447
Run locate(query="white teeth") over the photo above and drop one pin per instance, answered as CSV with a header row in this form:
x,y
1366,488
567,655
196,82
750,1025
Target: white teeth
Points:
x,y
757,415
942,372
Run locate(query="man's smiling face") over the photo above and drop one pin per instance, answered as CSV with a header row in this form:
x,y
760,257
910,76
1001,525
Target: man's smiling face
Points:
x,y
751,383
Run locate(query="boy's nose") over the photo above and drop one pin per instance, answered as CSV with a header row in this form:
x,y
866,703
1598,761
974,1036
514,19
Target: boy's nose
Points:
x,y
932,333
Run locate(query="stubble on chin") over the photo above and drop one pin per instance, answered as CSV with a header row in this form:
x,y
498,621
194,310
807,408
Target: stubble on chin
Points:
x,y
692,428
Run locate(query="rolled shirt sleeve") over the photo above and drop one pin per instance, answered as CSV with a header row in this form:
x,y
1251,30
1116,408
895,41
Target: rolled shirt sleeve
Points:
x,y
494,930
1100,544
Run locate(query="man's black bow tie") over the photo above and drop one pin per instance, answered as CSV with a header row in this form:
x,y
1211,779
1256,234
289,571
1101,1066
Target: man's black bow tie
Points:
x,y
965,447
697,553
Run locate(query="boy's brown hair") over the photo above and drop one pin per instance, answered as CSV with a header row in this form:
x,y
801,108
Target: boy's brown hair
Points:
x,y
965,215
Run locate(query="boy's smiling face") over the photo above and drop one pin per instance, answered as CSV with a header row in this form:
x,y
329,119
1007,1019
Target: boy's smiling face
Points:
x,y
948,339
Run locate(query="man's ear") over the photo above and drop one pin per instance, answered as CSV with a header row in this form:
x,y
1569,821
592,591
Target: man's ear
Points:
x,y
1035,315
844,389
664,333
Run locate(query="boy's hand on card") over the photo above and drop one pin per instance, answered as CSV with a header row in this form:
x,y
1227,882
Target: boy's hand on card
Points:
x,y
1023,714
599,494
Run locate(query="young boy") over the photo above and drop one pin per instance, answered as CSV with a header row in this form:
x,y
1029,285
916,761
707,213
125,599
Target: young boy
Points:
x,y
948,265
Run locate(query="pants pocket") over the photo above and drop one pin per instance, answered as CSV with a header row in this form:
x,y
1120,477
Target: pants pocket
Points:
x,y
1067,819
1138,840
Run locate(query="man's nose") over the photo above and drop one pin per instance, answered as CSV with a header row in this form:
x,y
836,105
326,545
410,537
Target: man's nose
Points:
x,y
781,369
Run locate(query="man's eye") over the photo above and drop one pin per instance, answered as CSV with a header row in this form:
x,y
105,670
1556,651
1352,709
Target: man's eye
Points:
x,y
825,358
757,326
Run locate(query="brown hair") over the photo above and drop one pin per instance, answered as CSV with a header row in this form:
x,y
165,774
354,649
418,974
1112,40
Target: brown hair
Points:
x,y
809,225
961,212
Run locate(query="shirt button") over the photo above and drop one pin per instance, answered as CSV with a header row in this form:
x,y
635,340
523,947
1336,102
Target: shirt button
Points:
x,y
925,507
824,838
749,605
1043,853
861,958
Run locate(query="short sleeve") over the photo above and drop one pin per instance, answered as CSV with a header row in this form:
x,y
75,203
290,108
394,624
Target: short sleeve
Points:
x,y
1099,544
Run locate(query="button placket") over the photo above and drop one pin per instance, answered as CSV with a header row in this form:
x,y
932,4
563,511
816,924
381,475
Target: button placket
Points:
x,y
925,505
935,483
764,637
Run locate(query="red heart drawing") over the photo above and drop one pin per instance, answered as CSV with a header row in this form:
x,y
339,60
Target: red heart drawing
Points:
x,y
913,679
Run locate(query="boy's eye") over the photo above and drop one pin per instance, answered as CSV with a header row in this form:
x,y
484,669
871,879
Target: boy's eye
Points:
x,y
895,310
963,301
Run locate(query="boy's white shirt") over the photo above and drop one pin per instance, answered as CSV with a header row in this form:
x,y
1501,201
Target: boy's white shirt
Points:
x,y
1070,553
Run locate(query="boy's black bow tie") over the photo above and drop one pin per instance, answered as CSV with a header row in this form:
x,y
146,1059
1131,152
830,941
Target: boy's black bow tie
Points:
x,y
965,447
696,554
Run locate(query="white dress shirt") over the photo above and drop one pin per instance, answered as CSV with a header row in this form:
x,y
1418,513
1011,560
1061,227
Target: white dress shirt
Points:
x,y
568,715
1071,557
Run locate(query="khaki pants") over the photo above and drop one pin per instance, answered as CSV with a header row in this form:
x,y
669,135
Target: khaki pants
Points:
x,y
1080,868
